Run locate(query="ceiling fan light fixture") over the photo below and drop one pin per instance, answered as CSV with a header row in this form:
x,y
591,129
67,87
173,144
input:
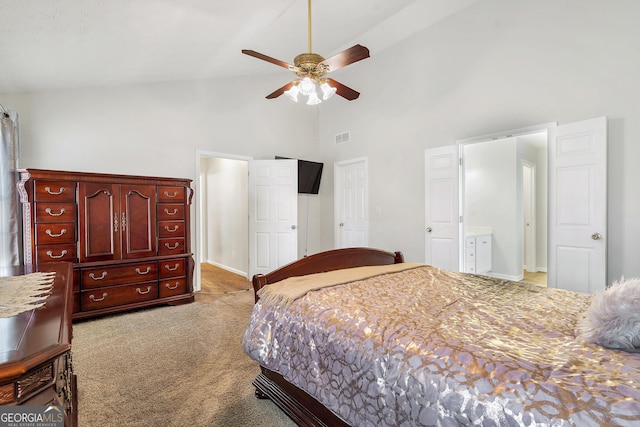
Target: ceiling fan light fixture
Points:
x,y
307,86
313,99
327,91
293,92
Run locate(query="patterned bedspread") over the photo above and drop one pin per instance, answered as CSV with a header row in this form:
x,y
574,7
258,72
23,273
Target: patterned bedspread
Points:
x,y
425,347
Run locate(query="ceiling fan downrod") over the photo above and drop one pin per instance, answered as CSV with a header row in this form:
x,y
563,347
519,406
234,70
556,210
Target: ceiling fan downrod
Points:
x,y
309,26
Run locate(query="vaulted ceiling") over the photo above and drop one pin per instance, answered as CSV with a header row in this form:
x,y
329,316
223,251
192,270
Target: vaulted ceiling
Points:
x,y
54,44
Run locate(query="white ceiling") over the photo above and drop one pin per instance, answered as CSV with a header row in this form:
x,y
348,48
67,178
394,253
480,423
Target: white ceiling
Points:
x,y
54,44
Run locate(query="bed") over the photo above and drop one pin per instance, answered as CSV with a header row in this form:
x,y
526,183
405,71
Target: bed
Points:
x,y
358,337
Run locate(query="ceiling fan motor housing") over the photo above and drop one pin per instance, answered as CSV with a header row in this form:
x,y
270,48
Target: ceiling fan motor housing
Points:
x,y
308,65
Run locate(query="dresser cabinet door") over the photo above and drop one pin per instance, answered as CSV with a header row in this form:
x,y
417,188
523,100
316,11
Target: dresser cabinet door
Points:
x,y
99,221
117,221
138,207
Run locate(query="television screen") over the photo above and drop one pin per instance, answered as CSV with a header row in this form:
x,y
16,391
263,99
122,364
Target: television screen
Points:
x,y
309,174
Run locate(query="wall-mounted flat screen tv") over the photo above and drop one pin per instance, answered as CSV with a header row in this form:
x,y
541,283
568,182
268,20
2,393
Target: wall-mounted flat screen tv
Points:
x,y
309,175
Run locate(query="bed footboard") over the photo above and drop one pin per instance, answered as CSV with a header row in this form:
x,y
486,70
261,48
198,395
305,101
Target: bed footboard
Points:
x,y
303,409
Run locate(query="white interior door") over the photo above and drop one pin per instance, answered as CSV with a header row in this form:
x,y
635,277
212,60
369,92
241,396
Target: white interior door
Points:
x,y
442,219
578,206
351,204
273,214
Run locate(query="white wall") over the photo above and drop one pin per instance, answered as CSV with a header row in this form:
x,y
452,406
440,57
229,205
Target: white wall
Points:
x,y
225,226
497,65
155,129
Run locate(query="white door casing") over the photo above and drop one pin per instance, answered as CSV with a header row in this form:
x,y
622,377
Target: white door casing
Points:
x,y
351,193
529,212
442,219
578,206
273,214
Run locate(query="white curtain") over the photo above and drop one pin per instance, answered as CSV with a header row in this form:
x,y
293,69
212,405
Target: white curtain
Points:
x,y
9,207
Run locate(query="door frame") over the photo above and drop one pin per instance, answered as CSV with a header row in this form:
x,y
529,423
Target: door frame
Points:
x,y
337,187
200,155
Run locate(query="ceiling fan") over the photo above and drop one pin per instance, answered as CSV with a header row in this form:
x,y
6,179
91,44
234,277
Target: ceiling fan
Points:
x,y
311,70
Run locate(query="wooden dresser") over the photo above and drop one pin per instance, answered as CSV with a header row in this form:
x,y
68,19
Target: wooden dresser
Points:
x,y
35,348
127,236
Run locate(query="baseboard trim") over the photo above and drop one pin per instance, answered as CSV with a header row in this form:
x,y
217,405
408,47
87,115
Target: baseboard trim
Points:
x,y
505,276
226,267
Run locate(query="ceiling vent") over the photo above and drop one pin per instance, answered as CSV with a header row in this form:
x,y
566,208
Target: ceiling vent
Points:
x,y
343,138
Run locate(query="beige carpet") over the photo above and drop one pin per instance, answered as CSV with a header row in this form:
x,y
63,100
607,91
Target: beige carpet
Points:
x,y
171,366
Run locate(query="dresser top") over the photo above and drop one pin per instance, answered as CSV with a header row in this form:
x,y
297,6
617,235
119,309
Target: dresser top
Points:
x,y
32,337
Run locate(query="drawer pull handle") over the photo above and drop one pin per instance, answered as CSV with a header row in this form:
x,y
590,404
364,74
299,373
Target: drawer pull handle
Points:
x,y
55,193
175,193
175,267
143,272
143,293
93,298
173,230
52,234
175,211
51,255
104,274
48,210
168,246
172,287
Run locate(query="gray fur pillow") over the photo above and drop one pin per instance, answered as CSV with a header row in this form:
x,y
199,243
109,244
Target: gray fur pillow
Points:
x,y
613,319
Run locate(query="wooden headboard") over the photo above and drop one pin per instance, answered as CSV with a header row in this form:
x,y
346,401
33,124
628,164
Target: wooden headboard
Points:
x,y
335,259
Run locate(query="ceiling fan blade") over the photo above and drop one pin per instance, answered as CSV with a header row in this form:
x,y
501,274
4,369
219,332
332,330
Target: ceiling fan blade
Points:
x,y
353,54
276,93
268,59
344,91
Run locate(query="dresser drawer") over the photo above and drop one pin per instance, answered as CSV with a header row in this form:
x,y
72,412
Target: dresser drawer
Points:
x,y
55,233
118,295
171,246
49,253
171,287
170,212
171,228
170,194
171,268
97,277
55,212
55,191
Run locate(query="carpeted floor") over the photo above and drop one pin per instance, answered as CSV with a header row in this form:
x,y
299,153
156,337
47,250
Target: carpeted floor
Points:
x,y
173,366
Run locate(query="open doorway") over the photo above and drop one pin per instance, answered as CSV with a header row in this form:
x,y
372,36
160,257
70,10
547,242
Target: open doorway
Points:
x,y
221,212
504,205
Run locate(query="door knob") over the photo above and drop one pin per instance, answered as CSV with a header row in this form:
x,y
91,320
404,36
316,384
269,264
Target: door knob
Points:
x,y
596,236
342,224
293,227
429,230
